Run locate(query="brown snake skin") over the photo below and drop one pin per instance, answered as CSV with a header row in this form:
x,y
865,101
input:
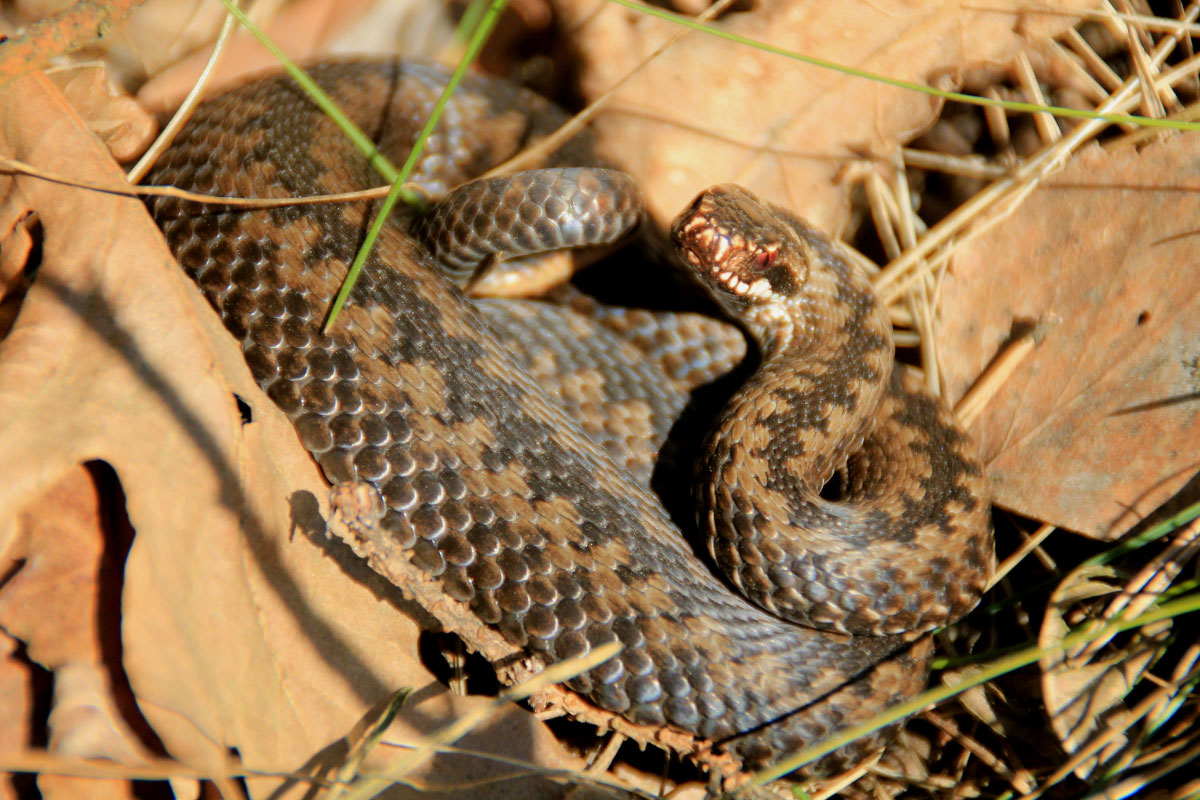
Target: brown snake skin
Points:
x,y
494,489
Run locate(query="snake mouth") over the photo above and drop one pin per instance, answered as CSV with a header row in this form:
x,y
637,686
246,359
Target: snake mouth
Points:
x,y
757,289
726,260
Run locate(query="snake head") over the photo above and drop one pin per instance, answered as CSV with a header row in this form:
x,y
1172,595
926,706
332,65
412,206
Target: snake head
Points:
x,y
745,250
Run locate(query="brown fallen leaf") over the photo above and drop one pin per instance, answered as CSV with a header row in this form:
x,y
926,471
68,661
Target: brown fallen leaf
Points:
x,y
301,29
710,111
1100,424
242,627
16,706
122,124
16,243
1087,699
60,601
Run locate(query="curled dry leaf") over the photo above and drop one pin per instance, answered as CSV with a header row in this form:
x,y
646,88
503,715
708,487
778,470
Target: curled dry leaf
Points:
x,y
16,243
1100,424
1086,699
975,700
711,111
242,626
58,591
16,702
123,125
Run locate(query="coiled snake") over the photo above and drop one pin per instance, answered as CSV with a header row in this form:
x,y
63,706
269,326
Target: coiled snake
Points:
x,y
489,485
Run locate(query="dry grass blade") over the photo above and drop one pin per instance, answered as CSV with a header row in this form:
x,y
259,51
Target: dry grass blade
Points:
x,y
1085,687
1084,697
1105,737
184,112
1020,781
1146,588
363,739
1030,544
1133,785
971,404
15,167
554,674
110,341
973,166
897,227
536,154
1004,195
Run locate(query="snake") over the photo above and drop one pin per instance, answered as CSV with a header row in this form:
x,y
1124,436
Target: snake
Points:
x,y
820,611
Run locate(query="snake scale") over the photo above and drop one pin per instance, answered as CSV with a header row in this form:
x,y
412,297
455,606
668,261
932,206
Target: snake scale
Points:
x,y
492,487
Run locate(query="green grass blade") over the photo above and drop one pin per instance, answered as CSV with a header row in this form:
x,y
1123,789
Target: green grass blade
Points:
x,y
1142,539
995,669
360,139
479,37
1012,105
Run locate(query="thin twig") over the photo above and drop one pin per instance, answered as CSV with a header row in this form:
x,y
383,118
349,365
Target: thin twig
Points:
x,y
59,34
127,190
184,112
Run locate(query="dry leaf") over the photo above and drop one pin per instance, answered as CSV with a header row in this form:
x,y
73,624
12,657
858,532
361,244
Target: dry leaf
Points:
x,y
16,705
16,243
1100,424
712,111
975,700
53,603
59,29
121,123
242,627
301,29
1087,699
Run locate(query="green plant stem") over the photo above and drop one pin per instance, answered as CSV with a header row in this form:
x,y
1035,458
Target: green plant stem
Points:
x,y
361,141
369,786
478,38
995,669
1107,557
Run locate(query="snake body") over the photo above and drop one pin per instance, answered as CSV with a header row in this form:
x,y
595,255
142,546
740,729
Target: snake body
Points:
x,y
493,488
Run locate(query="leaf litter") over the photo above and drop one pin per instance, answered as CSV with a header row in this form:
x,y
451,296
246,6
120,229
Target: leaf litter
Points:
x,y
238,628
235,630
710,111
1100,424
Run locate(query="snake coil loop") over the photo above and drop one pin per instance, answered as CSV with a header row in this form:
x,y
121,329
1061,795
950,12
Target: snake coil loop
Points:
x,y
491,487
